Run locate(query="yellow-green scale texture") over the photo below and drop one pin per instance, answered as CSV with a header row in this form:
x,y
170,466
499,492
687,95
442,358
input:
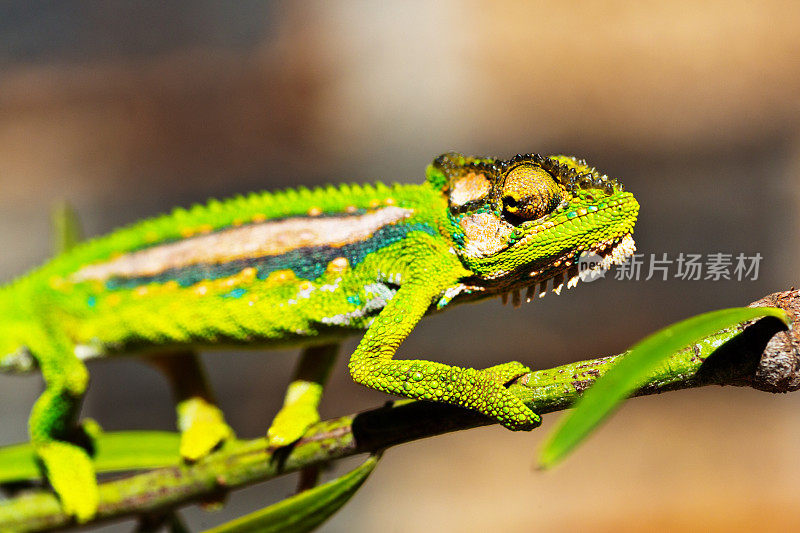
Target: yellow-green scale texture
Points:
x,y
278,307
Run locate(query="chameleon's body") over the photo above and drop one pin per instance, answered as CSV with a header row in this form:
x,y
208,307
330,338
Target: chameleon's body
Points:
x,y
308,267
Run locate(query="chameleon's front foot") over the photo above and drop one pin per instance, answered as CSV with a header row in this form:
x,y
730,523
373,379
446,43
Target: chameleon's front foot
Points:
x,y
522,418
480,390
202,427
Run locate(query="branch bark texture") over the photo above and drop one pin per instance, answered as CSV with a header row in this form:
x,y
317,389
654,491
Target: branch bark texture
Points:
x,y
761,354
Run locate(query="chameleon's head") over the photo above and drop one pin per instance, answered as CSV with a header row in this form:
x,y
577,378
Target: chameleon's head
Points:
x,y
523,222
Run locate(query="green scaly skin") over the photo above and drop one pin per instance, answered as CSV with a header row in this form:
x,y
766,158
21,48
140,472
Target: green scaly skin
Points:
x,y
328,263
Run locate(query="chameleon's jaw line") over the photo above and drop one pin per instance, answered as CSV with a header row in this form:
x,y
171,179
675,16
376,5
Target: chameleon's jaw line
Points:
x,y
613,252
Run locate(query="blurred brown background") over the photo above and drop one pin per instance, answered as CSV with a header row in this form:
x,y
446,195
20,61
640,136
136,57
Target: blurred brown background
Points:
x,y
127,110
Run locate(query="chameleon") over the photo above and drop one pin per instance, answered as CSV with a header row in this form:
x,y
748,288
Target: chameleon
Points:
x,y
305,267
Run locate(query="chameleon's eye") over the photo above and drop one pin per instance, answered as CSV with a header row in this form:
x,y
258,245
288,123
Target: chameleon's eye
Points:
x,y
529,192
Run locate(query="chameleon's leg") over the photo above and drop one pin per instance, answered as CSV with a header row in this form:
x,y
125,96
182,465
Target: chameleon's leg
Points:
x,y
53,424
482,390
299,411
200,421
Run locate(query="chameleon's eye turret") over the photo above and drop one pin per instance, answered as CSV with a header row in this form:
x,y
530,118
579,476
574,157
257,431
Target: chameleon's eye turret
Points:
x,y
525,220
530,192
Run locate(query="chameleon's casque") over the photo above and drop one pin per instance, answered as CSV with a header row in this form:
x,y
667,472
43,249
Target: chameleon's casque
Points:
x,y
308,267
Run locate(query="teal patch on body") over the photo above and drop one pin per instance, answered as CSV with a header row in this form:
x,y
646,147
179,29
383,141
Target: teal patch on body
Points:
x,y
235,293
458,235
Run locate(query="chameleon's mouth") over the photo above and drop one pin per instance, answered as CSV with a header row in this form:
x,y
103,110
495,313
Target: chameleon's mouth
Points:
x,y
575,266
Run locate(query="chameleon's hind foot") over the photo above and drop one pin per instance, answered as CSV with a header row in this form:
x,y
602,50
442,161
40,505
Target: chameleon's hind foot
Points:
x,y
71,474
299,411
291,423
203,429
200,422
202,426
59,443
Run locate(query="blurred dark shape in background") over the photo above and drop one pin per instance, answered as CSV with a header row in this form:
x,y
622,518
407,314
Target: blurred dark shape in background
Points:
x,y
126,110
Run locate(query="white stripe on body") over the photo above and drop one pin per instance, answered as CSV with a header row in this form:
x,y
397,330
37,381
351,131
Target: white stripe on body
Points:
x,y
255,240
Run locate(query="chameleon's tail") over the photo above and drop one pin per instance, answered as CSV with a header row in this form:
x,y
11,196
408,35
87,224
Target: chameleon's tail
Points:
x,y
15,358
19,362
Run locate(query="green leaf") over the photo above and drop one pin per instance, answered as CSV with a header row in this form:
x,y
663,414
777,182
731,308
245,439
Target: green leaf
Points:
x,y
632,371
120,451
304,511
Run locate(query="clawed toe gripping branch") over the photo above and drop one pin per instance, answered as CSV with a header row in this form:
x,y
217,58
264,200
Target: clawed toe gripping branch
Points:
x,y
761,354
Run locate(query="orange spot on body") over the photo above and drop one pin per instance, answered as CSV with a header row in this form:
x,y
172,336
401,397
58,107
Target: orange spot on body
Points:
x,y
280,276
